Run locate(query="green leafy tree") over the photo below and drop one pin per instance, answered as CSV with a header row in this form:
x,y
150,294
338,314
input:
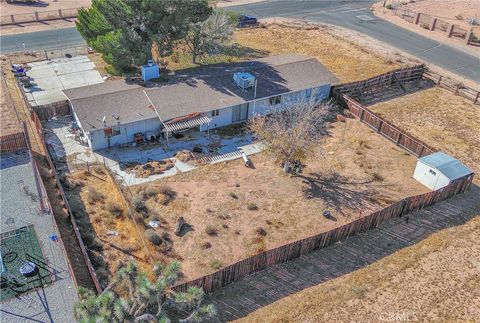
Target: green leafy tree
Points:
x,y
125,31
211,36
132,297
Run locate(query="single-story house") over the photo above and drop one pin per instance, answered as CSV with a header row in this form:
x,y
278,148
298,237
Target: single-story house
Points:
x,y
438,170
112,113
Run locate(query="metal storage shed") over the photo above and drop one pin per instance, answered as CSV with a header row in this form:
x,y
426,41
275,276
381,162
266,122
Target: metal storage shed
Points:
x,y
438,170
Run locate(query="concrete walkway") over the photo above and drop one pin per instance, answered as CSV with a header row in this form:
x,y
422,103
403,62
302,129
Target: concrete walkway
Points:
x,y
239,299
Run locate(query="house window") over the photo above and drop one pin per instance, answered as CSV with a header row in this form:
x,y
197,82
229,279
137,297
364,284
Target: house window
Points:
x,y
432,172
215,113
116,131
274,100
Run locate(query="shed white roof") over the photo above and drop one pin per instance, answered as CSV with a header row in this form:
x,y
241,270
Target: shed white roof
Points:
x,y
447,165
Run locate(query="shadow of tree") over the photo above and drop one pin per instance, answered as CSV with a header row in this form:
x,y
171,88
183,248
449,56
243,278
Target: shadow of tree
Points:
x,y
338,192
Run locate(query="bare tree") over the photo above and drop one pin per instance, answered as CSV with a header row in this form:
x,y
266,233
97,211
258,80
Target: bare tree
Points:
x,y
291,130
211,35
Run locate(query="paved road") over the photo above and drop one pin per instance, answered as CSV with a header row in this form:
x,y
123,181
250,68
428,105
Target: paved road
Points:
x,y
353,14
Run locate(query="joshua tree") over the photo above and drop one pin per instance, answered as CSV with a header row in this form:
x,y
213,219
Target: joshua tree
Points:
x,y
132,297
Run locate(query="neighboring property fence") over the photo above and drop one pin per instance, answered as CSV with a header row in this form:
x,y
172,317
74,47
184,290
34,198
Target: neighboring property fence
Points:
x,y
254,264
435,24
38,16
12,142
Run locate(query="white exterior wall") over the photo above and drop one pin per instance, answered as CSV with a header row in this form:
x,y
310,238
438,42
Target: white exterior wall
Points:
x,y
430,177
262,106
98,140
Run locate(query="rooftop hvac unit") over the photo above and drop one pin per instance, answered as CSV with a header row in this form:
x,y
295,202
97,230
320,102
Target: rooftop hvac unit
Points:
x,y
150,71
244,80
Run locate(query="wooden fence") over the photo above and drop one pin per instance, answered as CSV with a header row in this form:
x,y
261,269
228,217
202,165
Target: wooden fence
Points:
x,y
12,142
435,24
254,264
35,16
453,86
343,93
64,199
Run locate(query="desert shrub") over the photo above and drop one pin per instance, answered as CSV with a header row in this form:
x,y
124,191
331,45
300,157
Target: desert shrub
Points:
x,y
206,245
168,194
459,17
139,205
151,191
99,170
225,226
237,232
261,231
106,217
153,237
233,195
390,6
209,210
114,208
94,196
359,291
377,177
211,230
216,264
252,206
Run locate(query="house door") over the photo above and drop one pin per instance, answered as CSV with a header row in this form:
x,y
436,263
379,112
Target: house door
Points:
x,y
240,112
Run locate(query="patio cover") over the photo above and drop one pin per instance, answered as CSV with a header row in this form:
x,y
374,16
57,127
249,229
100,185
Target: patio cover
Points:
x,y
187,124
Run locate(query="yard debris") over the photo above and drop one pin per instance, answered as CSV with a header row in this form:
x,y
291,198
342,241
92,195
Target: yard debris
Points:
x,y
186,156
154,223
112,233
179,225
147,169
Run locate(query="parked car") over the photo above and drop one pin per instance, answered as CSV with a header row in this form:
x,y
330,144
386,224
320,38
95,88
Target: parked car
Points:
x,y
247,21
22,1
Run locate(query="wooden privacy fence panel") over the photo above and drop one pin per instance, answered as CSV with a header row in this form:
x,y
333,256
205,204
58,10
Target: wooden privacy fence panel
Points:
x,y
251,265
13,142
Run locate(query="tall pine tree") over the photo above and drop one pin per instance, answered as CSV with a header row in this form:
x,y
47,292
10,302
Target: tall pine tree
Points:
x,y
125,31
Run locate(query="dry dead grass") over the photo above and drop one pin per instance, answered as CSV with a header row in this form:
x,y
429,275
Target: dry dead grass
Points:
x,y
102,213
443,120
252,210
435,280
347,60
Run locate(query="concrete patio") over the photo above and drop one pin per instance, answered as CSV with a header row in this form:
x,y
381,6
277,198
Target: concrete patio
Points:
x,y
217,147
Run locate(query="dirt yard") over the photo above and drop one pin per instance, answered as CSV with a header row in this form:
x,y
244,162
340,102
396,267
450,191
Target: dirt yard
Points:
x,y
441,119
107,229
435,280
234,212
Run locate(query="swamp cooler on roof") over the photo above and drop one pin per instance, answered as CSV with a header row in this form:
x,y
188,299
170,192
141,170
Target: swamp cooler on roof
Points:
x,y
244,80
150,71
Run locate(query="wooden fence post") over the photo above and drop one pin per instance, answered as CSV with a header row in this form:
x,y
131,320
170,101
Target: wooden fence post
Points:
x,y
12,17
380,126
417,18
60,13
434,22
468,37
36,16
450,30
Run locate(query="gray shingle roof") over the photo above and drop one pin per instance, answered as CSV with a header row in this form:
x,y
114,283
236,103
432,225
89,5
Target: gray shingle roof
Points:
x,y
447,165
196,90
